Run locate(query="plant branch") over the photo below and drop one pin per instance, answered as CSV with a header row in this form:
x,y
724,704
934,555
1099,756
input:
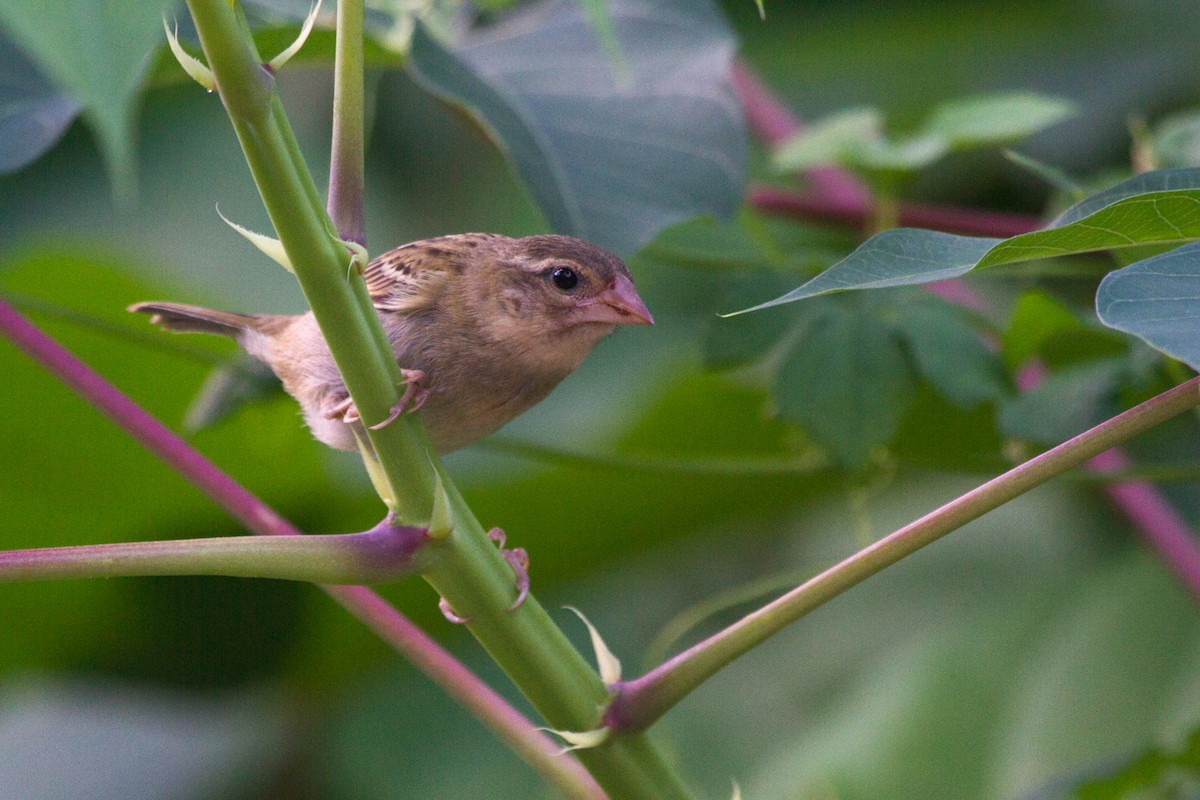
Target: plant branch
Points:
x,y
825,208
384,553
389,624
775,124
346,166
467,572
641,701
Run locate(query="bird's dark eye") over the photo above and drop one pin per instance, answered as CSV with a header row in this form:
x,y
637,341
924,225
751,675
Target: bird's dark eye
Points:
x,y
564,278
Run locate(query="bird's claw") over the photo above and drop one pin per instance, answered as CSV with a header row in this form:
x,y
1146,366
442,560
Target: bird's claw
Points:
x,y
413,398
448,613
518,559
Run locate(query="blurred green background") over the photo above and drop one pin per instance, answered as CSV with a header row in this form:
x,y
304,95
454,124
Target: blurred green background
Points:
x,y
1038,645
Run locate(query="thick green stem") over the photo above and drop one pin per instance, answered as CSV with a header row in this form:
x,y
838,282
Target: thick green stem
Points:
x,y
643,700
465,567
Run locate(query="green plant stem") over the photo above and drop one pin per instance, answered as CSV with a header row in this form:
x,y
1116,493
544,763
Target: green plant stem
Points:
x,y
384,554
346,161
641,701
465,567
320,259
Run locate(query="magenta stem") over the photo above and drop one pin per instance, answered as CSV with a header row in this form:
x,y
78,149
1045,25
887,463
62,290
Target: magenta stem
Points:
x,y
775,124
826,208
389,624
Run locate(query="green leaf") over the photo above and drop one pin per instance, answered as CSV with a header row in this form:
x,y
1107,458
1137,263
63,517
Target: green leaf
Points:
x,y
730,342
33,113
1036,317
827,140
949,353
997,119
1157,300
855,138
847,383
1175,142
1065,403
95,50
1155,208
610,159
1164,773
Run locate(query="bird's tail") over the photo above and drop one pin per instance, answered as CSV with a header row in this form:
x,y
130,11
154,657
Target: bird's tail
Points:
x,y
182,318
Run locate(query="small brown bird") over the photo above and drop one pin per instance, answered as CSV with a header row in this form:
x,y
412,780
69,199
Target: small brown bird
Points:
x,y
483,327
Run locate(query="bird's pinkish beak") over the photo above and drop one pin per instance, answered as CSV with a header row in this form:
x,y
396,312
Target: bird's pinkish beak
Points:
x,y
619,304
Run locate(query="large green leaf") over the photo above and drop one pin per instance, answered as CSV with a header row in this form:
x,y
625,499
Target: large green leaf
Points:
x,y
948,352
1156,208
610,153
33,113
847,382
96,51
1158,300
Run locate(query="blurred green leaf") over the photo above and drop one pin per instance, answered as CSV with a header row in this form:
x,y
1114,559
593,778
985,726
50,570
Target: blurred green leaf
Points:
x,y
949,353
1157,300
1158,772
1035,318
829,138
1141,211
733,341
95,50
1121,656
856,138
108,740
847,383
997,119
33,112
1065,403
1175,141
609,158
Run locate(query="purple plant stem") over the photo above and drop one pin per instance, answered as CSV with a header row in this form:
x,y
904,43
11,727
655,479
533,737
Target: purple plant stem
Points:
x,y
825,208
389,624
1161,525
775,123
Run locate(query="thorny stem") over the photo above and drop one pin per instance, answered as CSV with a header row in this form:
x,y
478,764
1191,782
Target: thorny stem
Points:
x,y
389,624
468,572
641,701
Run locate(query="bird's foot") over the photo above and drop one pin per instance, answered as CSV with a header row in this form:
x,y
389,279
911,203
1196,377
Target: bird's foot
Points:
x,y
518,559
413,398
449,614
343,408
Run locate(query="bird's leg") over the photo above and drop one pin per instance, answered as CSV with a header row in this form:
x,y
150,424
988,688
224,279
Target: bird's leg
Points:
x,y
518,559
413,398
